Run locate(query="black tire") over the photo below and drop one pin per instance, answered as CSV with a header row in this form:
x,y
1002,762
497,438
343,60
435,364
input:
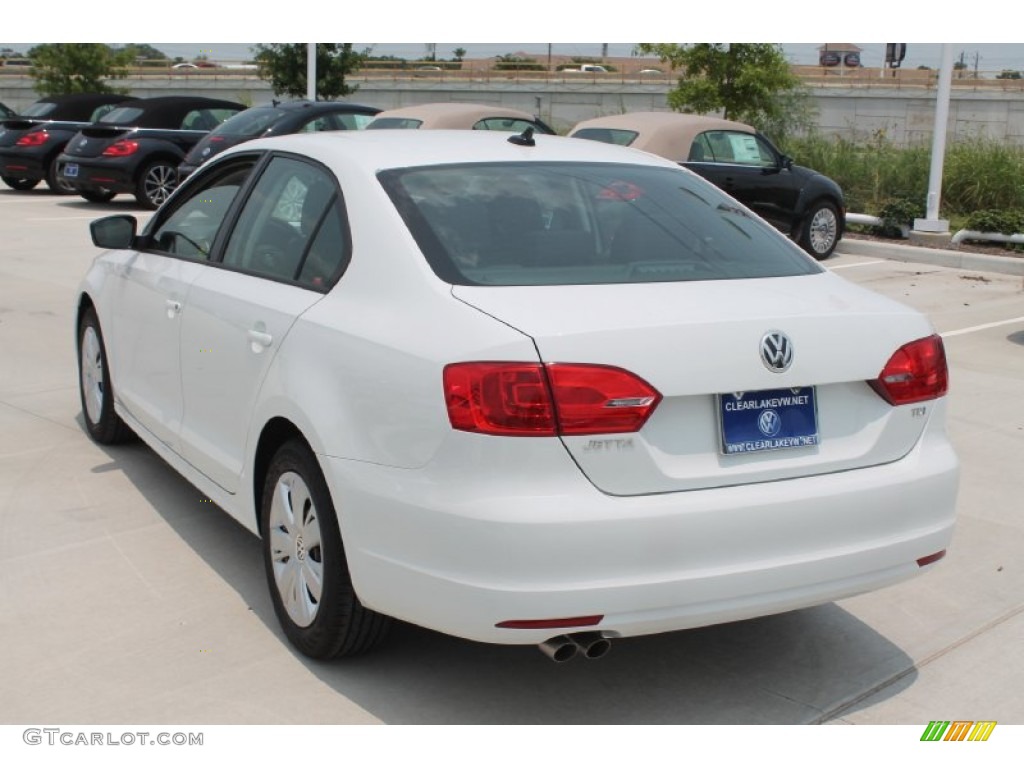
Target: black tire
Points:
x,y
820,230
22,185
155,184
98,194
57,184
94,387
297,509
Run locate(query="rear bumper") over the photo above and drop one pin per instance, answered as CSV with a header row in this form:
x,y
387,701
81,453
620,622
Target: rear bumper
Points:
x,y
451,549
93,173
22,165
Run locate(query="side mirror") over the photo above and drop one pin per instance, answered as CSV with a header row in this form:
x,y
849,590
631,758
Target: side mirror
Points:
x,y
114,232
787,162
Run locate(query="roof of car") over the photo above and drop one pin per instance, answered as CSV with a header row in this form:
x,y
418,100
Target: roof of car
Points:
x,y
322,106
668,134
373,151
167,111
455,114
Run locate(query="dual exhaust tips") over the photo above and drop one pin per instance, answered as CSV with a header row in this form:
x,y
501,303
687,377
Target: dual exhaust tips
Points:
x,y
592,645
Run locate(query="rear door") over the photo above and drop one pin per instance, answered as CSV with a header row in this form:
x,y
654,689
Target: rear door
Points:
x,y
280,257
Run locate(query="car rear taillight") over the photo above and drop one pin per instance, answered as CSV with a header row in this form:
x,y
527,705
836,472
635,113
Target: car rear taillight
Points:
x,y
533,399
916,371
34,139
121,148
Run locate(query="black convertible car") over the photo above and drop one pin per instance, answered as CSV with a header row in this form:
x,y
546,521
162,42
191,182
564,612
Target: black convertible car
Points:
x,y
277,119
137,147
30,142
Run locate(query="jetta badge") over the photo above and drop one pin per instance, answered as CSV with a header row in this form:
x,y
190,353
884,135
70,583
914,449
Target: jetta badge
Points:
x,y
776,351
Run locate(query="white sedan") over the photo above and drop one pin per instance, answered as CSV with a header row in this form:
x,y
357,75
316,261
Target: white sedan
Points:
x,y
518,389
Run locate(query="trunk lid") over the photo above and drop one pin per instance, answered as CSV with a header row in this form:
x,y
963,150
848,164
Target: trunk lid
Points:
x,y
699,344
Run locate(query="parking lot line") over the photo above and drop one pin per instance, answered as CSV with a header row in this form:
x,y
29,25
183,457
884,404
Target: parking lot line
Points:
x,y
983,327
858,264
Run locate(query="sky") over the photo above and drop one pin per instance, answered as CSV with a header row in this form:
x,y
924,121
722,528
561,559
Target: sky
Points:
x,y
799,25
991,57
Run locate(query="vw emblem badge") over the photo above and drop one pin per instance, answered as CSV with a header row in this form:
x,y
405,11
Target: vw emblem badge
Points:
x,y
83,142
776,351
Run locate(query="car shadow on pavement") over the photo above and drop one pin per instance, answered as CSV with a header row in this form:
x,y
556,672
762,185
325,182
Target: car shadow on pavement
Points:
x,y
805,666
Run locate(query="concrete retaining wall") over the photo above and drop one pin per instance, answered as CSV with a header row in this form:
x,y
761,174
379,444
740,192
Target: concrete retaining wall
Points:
x,y
902,115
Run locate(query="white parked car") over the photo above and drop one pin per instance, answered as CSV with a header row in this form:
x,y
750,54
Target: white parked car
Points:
x,y
518,389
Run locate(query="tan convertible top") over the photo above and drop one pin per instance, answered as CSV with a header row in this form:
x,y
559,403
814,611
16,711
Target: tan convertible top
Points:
x,y
454,114
667,134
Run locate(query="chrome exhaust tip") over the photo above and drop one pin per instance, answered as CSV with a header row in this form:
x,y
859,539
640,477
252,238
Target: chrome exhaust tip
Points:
x,y
593,645
559,649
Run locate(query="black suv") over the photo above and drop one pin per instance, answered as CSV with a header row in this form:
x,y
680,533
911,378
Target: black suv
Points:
x,y
277,119
31,142
137,147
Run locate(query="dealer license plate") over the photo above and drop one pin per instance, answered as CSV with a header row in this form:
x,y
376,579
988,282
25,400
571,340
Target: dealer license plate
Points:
x,y
768,420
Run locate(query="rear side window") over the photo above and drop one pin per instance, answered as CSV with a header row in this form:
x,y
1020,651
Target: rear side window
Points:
x,y
577,224
395,122
289,219
353,121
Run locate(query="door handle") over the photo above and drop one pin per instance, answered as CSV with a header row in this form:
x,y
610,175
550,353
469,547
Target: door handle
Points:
x,y
260,340
173,308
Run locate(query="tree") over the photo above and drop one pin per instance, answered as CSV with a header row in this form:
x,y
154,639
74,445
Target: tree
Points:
x,y
60,68
459,54
749,82
284,65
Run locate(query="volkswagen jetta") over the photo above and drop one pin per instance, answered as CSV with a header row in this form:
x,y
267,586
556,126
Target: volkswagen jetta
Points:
x,y
520,389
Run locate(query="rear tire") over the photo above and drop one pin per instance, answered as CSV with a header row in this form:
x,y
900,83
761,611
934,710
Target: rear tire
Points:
x,y
57,184
97,195
156,183
22,185
307,571
94,387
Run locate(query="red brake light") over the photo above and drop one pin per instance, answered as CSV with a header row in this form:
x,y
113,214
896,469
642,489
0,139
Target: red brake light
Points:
x,y
917,371
34,139
121,148
531,399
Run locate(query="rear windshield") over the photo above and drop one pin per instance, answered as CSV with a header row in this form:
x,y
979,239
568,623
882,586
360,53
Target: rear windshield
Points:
x,y
395,122
606,135
580,224
123,115
39,109
251,122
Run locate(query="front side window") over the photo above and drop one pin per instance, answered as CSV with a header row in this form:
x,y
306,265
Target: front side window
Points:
x,y
189,229
583,223
100,111
735,147
281,218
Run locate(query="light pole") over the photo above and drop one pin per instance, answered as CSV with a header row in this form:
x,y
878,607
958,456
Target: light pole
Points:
x,y
932,224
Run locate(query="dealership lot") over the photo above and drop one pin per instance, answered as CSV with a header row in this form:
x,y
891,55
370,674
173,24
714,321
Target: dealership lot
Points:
x,y
127,598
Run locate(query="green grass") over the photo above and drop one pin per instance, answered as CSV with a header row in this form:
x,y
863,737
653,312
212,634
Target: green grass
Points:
x,y
977,175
